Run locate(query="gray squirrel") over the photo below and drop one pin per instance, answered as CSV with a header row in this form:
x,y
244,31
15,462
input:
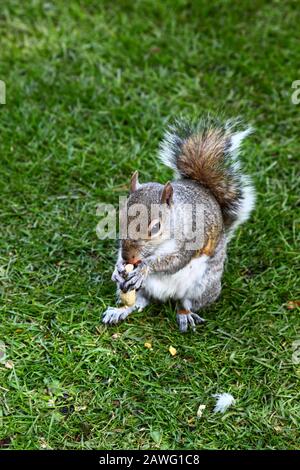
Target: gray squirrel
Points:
x,y
168,265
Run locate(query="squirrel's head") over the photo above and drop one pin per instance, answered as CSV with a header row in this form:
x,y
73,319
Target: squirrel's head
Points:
x,y
146,219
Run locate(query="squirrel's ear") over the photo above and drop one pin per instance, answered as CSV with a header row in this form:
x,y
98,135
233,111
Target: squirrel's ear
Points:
x,y
167,194
134,183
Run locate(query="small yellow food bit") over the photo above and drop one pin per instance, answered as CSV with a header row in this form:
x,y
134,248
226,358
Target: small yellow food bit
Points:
x,y
128,299
200,410
172,351
148,345
9,364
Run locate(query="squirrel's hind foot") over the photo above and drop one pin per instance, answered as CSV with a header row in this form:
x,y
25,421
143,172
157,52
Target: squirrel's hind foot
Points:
x,y
187,319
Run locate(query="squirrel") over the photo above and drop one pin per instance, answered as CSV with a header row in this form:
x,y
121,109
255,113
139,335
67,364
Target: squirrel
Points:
x,y
205,158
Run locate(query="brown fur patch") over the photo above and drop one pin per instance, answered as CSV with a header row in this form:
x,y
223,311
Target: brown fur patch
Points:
x,y
211,243
183,312
213,238
202,159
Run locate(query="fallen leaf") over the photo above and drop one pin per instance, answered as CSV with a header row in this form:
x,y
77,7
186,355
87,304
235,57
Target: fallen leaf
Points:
x,y
293,304
156,436
172,351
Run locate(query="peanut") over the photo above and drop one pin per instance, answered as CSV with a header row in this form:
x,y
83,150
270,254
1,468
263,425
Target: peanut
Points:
x,y
128,299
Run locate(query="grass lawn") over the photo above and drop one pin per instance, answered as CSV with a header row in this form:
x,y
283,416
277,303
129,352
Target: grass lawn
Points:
x,y
90,86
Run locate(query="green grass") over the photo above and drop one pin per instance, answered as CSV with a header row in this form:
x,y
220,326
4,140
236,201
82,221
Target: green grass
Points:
x,y
90,86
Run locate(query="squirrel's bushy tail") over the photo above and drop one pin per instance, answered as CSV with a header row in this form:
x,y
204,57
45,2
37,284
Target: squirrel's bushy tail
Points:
x,y
207,152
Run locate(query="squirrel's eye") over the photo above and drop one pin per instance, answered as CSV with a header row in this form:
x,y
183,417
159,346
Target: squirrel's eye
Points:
x,y
154,229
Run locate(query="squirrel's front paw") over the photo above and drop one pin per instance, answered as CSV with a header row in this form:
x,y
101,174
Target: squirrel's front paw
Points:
x,y
119,273
187,319
136,278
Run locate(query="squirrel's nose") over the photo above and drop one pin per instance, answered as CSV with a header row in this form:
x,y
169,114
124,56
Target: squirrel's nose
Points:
x,y
133,260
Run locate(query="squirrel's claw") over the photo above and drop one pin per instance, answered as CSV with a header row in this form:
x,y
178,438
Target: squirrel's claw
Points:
x,y
135,279
132,284
116,277
188,319
115,315
119,273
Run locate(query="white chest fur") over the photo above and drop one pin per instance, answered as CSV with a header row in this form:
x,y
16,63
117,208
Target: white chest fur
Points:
x,y
186,283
